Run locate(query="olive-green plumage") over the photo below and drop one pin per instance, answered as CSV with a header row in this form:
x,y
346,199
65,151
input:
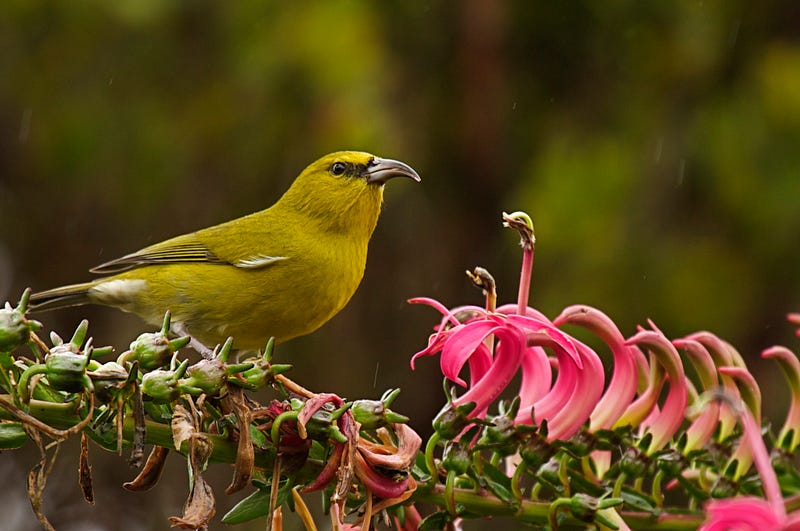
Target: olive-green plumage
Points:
x,y
281,272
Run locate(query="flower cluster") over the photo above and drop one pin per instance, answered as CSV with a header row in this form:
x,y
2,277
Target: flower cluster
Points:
x,y
649,431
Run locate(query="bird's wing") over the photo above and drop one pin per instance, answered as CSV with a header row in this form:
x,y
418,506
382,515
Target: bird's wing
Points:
x,y
181,249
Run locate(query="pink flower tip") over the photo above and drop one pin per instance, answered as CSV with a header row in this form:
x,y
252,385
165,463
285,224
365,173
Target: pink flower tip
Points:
x,y
741,514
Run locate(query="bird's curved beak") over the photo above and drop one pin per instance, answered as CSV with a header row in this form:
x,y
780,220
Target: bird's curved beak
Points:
x,y
381,170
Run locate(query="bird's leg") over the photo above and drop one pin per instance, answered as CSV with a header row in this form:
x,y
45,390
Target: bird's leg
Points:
x,y
200,348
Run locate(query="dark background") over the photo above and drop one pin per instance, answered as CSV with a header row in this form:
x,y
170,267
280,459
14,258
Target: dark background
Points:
x,y
655,145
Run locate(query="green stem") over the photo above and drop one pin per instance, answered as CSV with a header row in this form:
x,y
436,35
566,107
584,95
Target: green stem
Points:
x,y
536,512
430,461
63,416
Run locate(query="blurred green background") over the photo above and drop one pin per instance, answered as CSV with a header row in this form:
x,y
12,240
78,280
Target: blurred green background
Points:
x,y
656,146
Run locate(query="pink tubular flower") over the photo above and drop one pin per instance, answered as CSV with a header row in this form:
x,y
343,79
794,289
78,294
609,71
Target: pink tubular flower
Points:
x,y
702,428
741,514
748,513
789,436
495,344
624,382
794,318
519,342
664,424
724,356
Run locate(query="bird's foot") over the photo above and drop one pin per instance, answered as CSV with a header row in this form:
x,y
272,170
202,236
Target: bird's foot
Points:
x,y
196,344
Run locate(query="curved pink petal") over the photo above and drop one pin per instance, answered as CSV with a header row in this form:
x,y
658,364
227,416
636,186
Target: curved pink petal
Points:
x,y
674,409
507,358
537,376
438,339
314,404
433,303
748,388
560,393
380,485
462,344
722,351
435,344
794,318
751,397
479,363
702,428
625,380
647,401
769,480
509,309
533,324
790,366
587,391
741,514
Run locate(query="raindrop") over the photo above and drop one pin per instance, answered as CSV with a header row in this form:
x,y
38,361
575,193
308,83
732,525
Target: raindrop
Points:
x,y
25,125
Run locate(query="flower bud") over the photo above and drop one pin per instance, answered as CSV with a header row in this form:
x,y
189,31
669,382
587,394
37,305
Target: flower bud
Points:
x,y
154,349
66,370
12,435
456,458
15,329
373,414
108,379
583,507
207,376
535,451
549,472
452,420
162,385
634,462
671,462
724,487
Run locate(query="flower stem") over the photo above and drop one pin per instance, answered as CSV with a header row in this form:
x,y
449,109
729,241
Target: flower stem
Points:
x,y
537,512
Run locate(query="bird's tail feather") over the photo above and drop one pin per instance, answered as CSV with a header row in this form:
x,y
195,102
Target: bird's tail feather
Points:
x,y
63,297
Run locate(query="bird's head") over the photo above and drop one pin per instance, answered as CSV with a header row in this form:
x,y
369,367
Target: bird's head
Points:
x,y
345,188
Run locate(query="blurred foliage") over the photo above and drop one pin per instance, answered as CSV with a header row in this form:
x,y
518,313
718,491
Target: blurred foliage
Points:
x,y
654,144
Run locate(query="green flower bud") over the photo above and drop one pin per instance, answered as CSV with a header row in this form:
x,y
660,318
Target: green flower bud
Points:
x,y
671,462
583,507
108,379
12,435
66,370
536,451
258,376
323,424
549,472
724,487
154,349
500,435
207,376
15,329
456,457
373,414
634,462
452,420
162,386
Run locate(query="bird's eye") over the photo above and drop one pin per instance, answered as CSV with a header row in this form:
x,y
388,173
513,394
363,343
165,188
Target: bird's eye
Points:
x,y
338,168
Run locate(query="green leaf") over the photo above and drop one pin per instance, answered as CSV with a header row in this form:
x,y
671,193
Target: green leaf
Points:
x,y
639,501
435,521
254,506
498,483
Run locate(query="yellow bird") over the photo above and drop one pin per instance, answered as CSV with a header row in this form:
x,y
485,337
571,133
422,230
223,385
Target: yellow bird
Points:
x,y
282,272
